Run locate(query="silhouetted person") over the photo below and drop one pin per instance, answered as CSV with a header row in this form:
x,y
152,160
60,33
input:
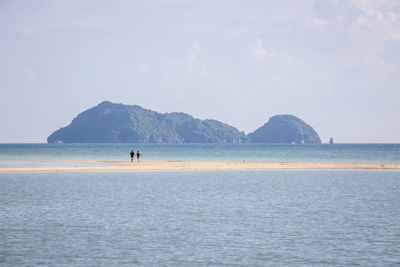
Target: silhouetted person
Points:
x,y
138,156
132,155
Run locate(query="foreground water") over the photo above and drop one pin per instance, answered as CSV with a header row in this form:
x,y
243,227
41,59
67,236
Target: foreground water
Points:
x,y
209,218
337,153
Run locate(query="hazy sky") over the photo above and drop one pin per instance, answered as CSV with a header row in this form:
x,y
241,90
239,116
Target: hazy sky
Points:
x,y
333,63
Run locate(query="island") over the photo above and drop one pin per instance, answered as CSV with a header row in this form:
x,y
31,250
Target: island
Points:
x,y
285,129
118,123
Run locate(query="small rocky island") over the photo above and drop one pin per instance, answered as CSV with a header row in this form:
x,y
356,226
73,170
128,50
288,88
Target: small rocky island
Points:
x,y
117,123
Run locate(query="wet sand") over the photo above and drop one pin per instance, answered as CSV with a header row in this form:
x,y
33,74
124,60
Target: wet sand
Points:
x,y
195,165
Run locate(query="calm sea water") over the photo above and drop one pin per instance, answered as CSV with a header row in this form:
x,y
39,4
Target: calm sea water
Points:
x,y
360,153
204,218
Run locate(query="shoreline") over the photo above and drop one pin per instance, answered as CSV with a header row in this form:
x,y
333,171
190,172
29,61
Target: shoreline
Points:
x,y
164,165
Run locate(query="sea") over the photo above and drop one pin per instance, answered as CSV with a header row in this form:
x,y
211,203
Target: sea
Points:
x,y
200,218
333,153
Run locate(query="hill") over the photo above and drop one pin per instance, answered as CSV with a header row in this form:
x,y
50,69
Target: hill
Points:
x,y
285,129
118,123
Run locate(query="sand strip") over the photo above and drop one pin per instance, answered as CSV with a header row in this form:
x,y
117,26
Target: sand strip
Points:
x,y
204,165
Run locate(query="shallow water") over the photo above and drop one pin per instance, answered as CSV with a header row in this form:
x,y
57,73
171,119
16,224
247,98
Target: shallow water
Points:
x,y
351,153
44,164
209,218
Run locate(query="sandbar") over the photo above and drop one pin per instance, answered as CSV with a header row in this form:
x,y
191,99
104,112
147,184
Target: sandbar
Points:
x,y
164,165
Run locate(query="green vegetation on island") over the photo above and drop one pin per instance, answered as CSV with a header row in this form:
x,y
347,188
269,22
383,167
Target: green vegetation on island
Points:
x,y
118,123
285,129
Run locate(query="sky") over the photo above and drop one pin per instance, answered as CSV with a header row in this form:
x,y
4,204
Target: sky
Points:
x,y
333,63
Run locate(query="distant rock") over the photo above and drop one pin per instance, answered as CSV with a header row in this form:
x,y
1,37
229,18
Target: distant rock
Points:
x,y
285,129
118,123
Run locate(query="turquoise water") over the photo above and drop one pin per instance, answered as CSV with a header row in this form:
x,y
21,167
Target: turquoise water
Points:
x,y
200,218
207,218
356,153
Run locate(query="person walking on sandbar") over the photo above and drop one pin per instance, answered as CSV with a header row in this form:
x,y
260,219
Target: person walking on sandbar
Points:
x,y
138,156
132,155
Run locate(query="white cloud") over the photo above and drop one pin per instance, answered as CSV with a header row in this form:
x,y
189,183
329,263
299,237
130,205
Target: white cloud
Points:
x,y
259,50
377,23
318,24
267,66
30,75
195,52
334,2
194,62
144,68
379,17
